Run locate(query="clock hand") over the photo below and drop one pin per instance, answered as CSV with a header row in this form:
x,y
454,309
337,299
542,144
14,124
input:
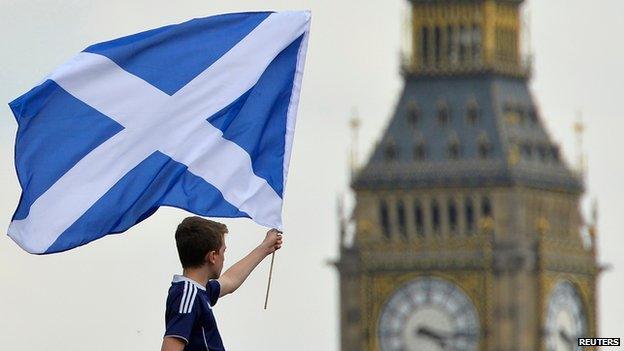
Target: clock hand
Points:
x,y
430,333
441,335
566,338
439,339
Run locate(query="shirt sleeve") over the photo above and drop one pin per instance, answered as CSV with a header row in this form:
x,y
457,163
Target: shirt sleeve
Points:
x,y
182,317
213,289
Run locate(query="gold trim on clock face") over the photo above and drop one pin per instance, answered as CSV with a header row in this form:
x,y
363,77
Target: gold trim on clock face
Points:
x,y
565,318
428,314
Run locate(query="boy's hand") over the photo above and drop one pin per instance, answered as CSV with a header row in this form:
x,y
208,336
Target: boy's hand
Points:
x,y
272,241
236,275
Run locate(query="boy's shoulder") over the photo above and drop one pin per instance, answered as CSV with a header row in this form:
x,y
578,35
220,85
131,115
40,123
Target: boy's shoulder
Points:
x,y
184,293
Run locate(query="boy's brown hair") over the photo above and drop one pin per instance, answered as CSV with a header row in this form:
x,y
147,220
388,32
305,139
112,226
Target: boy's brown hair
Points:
x,y
196,237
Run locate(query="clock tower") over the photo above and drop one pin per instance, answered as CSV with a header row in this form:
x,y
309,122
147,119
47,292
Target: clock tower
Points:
x,y
466,233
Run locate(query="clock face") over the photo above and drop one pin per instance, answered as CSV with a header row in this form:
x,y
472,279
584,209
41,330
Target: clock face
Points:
x,y
428,314
565,319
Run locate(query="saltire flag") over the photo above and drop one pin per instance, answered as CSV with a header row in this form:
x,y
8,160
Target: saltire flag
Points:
x,y
198,115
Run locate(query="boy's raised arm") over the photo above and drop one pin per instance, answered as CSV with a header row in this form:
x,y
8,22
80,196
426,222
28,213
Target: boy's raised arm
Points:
x,y
236,275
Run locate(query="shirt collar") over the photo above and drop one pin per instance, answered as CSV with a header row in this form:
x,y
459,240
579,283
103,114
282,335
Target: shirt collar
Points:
x,y
180,278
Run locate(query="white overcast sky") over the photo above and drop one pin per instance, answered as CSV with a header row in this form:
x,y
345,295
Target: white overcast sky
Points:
x,y
110,294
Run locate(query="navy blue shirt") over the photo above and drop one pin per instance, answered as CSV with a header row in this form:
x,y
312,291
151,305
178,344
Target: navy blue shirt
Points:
x,y
189,316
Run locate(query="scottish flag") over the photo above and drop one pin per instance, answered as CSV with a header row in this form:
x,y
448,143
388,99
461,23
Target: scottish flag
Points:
x,y
198,115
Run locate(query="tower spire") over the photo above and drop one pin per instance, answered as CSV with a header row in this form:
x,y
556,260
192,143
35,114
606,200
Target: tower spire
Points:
x,y
579,130
354,124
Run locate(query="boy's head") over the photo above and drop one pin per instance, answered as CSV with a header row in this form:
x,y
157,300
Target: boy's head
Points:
x,y
201,242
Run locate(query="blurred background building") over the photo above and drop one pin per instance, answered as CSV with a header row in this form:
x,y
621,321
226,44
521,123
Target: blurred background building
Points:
x,y
467,232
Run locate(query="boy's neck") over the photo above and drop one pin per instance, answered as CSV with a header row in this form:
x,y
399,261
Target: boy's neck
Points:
x,y
200,275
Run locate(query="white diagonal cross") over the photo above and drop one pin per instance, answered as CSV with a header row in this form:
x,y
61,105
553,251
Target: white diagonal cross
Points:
x,y
174,125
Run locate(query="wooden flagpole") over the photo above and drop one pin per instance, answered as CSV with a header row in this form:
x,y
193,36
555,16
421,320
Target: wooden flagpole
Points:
x,y
266,299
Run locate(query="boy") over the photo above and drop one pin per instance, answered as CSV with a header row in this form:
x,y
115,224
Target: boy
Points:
x,y
190,323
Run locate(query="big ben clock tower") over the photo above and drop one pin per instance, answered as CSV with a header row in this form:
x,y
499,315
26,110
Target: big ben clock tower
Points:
x,y
467,229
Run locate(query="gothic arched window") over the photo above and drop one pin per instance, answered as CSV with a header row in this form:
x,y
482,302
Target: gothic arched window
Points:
x,y
452,216
413,114
454,149
401,218
384,219
533,115
541,152
437,37
476,44
486,207
464,43
444,115
473,113
419,218
390,152
469,214
424,45
485,149
420,151
527,151
555,153
450,47
435,217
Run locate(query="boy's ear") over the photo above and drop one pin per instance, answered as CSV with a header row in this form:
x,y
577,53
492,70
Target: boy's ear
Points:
x,y
210,257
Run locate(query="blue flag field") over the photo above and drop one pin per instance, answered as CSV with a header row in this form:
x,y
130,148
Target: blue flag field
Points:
x,y
198,115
